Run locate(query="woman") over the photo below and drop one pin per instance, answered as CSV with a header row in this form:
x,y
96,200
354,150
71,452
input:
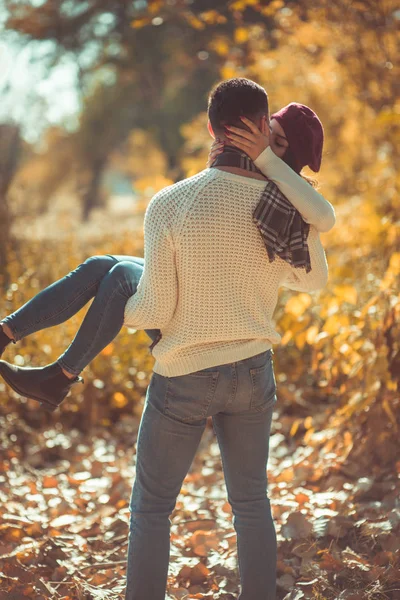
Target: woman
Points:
x,y
296,135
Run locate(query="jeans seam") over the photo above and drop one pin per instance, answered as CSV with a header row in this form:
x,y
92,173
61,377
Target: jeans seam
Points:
x,y
60,311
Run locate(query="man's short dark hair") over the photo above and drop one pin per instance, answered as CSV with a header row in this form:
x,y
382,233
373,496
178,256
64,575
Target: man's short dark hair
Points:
x,y
233,98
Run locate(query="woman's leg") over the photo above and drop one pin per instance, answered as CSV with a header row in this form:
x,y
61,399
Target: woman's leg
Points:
x,y
101,324
105,316
60,300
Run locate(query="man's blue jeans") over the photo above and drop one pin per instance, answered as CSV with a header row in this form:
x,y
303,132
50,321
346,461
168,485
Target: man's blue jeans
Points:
x,y
240,397
110,279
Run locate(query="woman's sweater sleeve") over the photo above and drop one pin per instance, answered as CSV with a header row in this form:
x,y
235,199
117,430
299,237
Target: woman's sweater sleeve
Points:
x,y
297,279
312,206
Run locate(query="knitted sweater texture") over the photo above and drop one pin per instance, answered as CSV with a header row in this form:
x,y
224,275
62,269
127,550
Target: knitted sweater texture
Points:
x,y
207,282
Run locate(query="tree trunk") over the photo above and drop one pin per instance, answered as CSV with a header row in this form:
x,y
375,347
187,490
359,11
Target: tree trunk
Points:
x,y
10,146
91,195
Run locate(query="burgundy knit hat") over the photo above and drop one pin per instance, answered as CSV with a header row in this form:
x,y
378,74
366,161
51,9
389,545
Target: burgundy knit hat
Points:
x,y
305,135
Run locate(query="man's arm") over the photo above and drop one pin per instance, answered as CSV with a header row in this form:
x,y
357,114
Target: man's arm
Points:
x,y
154,303
297,279
312,206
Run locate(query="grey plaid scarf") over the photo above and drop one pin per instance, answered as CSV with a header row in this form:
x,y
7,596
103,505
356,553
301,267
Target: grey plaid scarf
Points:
x,y
283,229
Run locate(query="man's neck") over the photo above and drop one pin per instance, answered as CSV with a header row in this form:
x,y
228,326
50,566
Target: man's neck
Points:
x,y
243,173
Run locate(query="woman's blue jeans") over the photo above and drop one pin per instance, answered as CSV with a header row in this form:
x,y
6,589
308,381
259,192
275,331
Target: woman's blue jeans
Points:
x,y
240,397
110,279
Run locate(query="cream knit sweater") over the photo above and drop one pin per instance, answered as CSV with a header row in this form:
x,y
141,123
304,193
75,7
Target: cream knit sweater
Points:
x,y
207,282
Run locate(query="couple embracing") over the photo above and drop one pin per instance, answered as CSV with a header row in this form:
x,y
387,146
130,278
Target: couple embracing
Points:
x,y
217,247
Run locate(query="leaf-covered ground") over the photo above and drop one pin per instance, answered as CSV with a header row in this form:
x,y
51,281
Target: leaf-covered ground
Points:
x,y
64,516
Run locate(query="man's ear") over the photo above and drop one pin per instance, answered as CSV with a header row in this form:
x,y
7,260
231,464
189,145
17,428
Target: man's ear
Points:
x,y
264,125
210,129
264,121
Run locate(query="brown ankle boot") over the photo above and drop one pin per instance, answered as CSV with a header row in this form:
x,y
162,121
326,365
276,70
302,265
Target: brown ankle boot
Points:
x,y
47,385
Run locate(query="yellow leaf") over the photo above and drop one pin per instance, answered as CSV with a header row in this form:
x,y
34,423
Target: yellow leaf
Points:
x,y
212,17
296,305
286,338
308,422
335,322
294,427
138,23
119,400
242,4
241,35
346,293
300,340
228,71
394,264
220,46
194,21
311,334
272,8
391,385
154,7
308,435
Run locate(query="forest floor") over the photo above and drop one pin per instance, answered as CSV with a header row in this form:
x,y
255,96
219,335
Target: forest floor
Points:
x,y
64,518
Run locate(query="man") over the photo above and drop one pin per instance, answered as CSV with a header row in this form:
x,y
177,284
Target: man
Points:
x,y
210,288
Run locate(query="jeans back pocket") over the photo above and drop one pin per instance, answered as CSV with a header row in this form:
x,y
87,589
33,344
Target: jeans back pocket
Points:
x,y
188,397
263,385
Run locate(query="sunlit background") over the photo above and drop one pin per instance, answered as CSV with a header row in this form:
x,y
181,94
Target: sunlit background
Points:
x,y
103,103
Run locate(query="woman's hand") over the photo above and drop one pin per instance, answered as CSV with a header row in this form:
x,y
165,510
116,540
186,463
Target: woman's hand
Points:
x,y
216,148
254,142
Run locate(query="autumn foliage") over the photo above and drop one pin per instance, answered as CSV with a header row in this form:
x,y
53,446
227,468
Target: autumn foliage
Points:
x,y
334,463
